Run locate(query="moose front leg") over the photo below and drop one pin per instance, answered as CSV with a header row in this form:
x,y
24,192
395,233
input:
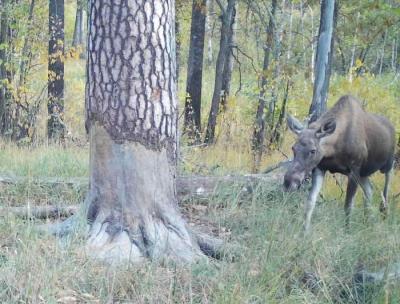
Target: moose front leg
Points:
x,y
317,181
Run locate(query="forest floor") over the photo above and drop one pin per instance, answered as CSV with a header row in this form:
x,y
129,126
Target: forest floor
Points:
x,y
267,259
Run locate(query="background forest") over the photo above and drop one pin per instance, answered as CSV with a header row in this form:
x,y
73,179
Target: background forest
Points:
x,y
266,261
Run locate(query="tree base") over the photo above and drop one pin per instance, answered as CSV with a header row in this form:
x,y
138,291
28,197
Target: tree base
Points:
x,y
132,204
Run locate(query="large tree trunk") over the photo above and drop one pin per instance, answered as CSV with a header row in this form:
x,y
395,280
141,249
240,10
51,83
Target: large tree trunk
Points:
x,y
323,62
192,124
224,48
55,107
132,120
260,123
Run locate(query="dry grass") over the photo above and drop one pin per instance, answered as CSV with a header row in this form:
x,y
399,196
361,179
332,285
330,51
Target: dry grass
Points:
x,y
271,259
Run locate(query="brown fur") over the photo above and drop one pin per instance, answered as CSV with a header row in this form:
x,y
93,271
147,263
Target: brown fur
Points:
x,y
347,140
362,143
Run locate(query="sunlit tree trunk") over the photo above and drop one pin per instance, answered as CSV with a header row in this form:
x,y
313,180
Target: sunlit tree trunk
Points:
x,y
192,123
323,61
55,107
132,117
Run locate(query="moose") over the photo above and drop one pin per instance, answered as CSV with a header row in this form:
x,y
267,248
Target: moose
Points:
x,y
345,140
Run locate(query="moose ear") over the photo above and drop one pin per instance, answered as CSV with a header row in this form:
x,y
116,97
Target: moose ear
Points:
x,y
294,125
326,129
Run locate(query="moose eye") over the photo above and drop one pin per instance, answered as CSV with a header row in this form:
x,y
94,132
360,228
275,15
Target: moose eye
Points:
x,y
313,151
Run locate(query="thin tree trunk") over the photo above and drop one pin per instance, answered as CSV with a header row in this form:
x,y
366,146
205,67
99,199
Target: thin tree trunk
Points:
x,y
178,44
303,42
383,53
192,123
209,23
289,50
312,67
259,126
278,130
26,49
221,59
353,50
228,65
278,36
394,53
7,121
55,107
3,71
79,28
131,110
323,61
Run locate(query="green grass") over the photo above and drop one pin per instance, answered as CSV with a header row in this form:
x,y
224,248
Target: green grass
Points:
x,y
267,256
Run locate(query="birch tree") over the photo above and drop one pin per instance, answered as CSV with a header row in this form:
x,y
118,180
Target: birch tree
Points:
x,y
323,61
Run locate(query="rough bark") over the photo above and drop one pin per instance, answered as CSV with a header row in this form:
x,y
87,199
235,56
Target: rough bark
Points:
x,y
323,61
260,123
192,123
221,59
131,113
55,107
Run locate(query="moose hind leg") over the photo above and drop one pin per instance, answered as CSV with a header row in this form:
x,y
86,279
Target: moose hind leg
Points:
x,y
317,181
384,204
349,201
367,189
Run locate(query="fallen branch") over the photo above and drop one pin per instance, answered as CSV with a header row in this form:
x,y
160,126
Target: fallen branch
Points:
x,y
187,186
39,212
282,164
